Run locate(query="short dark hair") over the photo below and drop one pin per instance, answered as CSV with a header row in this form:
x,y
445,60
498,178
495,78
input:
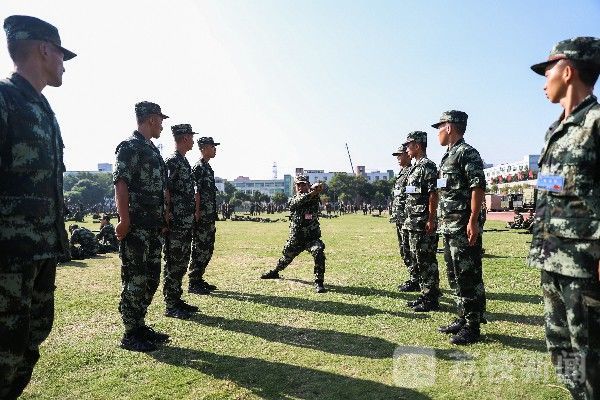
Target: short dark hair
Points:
x,y
143,118
459,127
588,72
18,50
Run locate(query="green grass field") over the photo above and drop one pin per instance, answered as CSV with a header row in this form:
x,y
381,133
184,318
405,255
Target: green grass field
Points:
x,y
280,340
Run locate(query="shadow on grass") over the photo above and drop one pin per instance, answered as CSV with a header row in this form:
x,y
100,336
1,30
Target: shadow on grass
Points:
x,y
323,306
515,297
329,341
487,255
518,342
73,263
275,380
357,290
536,320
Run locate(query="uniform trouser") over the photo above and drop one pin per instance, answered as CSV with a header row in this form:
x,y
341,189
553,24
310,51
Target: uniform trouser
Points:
x,y
295,246
404,247
423,248
203,245
570,330
26,317
140,274
465,275
449,266
177,249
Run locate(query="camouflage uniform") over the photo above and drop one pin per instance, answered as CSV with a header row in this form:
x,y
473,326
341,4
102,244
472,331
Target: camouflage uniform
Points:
x,y
83,244
203,243
305,234
398,216
141,167
107,239
32,230
420,183
178,242
566,235
462,169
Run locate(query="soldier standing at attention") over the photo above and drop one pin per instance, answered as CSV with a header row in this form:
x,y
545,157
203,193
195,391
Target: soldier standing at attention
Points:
x,y
566,229
107,237
462,190
180,206
399,215
140,181
203,243
420,222
305,231
32,228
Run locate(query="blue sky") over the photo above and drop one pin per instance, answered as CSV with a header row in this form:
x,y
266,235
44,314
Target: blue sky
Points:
x,y
293,81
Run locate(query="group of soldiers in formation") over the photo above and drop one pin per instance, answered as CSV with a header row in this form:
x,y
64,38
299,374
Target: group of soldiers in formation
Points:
x,y
164,206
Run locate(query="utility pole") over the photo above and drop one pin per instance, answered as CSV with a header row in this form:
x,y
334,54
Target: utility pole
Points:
x,y
350,158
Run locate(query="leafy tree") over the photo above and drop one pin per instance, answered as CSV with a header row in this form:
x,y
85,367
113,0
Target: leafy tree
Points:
x,y
279,198
89,192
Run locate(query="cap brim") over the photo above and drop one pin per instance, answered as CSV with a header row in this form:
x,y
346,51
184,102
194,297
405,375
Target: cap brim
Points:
x,y
438,124
540,68
216,144
67,54
163,116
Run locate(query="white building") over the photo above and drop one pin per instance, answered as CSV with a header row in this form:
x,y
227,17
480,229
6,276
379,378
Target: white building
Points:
x,y
528,163
266,186
105,167
319,175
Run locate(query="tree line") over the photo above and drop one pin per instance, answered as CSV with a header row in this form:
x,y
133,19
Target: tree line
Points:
x,y
88,189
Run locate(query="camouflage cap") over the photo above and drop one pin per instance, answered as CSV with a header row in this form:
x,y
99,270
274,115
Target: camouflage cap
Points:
x,y
401,149
454,116
207,140
24,27
182,129
144,108
586,49
416,136
302,179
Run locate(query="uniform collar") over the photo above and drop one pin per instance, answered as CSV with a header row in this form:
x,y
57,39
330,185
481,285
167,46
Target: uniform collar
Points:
x,y
578,114
577,117
28,90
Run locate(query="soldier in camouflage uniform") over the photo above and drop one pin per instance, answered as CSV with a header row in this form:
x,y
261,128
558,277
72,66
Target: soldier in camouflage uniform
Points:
x,y
462,189
420,222
32,230
203,243
82,243
305,231
398,215
107,237
180,207
140,182
566,229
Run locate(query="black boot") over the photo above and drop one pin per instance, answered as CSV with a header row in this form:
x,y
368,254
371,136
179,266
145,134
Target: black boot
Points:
x,y
187,307
135,341
468,334
319,288
272,274
153,336
198,288
208,285
409,286
177,312
453,327
427,305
